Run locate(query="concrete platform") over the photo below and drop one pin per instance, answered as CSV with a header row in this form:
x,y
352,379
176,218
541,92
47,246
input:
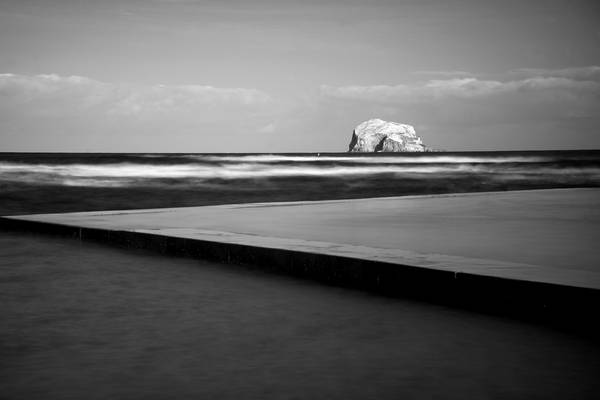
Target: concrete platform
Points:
x,y
543,235
539,246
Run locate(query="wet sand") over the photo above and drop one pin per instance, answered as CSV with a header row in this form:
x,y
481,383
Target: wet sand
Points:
x,y
83,320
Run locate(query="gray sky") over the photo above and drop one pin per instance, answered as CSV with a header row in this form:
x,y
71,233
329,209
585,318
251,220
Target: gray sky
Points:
x,y
279,75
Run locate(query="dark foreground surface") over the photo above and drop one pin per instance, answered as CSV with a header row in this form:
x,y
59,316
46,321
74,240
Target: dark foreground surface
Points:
x,y
81,320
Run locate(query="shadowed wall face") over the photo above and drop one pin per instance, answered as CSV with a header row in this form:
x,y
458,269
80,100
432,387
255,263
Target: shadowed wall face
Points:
x,y
268,76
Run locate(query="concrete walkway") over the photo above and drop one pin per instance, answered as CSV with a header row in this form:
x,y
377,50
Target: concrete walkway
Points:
x,y
548,236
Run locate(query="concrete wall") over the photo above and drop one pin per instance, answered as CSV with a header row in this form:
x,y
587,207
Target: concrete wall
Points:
x,y
569,308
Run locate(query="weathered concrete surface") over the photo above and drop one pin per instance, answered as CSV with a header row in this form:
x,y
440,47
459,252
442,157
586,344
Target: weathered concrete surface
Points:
x,y
547,236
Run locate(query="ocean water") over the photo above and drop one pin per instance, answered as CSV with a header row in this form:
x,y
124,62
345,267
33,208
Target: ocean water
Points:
x,y
59,182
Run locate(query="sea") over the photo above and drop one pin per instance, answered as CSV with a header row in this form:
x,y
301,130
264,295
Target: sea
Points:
x,y
63,182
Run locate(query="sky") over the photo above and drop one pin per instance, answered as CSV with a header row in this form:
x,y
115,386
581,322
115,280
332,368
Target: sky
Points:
x,y
296,76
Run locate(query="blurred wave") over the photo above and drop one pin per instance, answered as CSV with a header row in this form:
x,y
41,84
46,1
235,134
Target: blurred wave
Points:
x,y
75,181
400,159
166,170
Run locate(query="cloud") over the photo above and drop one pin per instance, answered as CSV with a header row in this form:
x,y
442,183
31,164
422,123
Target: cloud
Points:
x,y
76,113
573,81
448,73
535,95
55,93
22,89
589,73
168,98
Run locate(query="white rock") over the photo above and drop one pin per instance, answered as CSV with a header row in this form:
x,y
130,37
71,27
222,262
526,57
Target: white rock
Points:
x,y
377,135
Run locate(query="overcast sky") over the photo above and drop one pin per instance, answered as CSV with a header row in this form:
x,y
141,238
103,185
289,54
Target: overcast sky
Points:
x,y
294,76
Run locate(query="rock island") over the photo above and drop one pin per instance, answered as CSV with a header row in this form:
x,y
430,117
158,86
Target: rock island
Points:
x,y
377,135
